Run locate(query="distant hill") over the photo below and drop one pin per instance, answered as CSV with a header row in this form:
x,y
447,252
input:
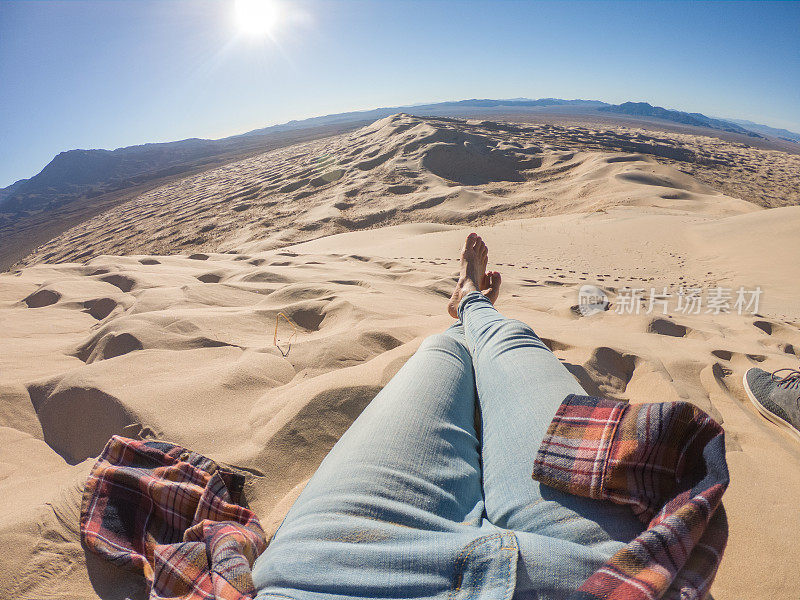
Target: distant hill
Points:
x,y
783,134
436,109
643,109
7,191
80,171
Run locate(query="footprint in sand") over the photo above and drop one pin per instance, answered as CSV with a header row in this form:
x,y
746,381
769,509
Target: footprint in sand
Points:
x,y
757,358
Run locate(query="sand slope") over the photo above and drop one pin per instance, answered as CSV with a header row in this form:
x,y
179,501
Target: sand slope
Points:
x,y
180,346
408,169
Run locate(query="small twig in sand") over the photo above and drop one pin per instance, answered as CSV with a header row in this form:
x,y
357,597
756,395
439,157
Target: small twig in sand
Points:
x,y
291,337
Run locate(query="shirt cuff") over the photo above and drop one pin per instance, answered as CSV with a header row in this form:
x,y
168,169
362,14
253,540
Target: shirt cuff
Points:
x,y
574,453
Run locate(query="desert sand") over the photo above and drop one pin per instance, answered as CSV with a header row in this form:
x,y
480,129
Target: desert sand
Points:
x,y
156,318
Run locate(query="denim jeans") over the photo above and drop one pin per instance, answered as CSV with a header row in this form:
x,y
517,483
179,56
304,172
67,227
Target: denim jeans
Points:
x,y
414,501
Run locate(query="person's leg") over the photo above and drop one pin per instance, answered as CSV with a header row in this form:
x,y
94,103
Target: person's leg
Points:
x,y
520,386
396,508
520,383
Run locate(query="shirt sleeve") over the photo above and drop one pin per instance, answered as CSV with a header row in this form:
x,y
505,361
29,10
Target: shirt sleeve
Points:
x,y
664,460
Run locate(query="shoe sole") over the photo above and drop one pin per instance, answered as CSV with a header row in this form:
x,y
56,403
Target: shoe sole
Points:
x,y
768,415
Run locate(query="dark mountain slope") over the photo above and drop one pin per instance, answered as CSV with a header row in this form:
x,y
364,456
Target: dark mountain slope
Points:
x,y
643,109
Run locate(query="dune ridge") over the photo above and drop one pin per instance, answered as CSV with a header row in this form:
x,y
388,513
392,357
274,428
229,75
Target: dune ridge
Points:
x,y
404,168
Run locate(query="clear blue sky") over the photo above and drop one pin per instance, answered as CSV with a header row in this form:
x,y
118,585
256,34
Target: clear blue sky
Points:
x,y
79,74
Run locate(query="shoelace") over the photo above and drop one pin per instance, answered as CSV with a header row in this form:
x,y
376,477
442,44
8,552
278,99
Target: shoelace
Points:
x,y
789,381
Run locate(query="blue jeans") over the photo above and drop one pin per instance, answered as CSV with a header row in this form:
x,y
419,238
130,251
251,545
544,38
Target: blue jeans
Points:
x,y
412,502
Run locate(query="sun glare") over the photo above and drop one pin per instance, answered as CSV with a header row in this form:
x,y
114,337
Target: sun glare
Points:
x,y
257,17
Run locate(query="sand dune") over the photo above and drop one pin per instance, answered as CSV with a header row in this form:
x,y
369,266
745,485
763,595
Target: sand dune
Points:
x,y
407,169
355,240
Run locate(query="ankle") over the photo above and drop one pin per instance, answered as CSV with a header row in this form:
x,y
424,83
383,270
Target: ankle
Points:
x,y
467,285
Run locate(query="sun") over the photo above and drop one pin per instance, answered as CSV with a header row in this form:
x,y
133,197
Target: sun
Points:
x,y
257,17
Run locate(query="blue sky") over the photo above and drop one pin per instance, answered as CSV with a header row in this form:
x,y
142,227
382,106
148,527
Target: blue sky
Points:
x,y
105,74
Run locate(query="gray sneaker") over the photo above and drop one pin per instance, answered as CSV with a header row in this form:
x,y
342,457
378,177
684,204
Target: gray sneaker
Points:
x,y
776,396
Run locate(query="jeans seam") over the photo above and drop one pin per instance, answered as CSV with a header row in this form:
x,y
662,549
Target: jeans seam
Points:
x,y
462,558
510,586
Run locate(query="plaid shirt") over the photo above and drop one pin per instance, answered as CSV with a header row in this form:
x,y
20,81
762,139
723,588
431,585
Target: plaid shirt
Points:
x,y
665,460
173,516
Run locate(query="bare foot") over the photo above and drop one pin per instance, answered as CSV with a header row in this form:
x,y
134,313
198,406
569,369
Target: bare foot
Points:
x,y
473,277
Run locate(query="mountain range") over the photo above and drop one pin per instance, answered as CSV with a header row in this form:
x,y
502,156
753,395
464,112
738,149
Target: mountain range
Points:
x,y
783,134
643,109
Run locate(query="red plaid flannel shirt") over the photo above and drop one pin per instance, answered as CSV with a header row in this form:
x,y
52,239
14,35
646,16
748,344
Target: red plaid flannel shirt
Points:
x,y
667,462
173,516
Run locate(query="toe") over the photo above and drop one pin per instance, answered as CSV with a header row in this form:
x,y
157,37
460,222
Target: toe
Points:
x,y
493,289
